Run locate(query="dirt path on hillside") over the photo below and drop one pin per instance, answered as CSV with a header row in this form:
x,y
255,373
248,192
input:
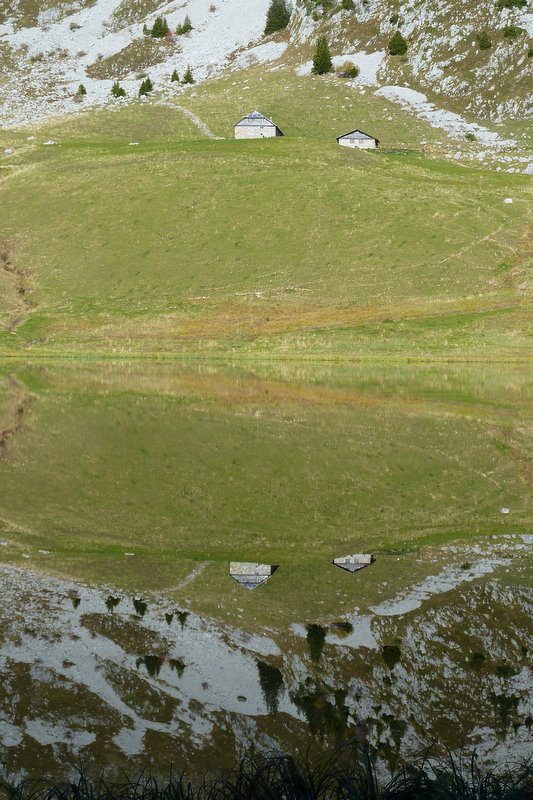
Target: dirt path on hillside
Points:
x,y
193,575
198,122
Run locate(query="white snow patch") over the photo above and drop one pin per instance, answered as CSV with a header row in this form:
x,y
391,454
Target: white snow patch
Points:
x,y
270,51
445,581
449,121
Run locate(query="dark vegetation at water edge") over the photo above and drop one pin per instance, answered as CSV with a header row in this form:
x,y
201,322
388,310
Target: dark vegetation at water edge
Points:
x,y
346,774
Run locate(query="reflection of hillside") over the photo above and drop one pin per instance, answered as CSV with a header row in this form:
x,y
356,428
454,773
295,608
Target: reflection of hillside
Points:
x,y
147,682
327,719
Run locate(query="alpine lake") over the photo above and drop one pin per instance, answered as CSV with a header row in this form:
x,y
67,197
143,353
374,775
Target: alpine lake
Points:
x,y
128,488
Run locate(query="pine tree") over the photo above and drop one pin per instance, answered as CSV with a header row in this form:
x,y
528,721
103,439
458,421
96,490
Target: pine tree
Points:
x,y
188,78
278,16
146,87
117,90
185,26
82,91
397,45
160,28
322,59
175,76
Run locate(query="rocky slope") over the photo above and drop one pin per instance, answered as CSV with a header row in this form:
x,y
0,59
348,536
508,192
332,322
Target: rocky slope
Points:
x,y
443,55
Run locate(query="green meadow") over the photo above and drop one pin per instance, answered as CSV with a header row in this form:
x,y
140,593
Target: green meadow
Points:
x,y
184,245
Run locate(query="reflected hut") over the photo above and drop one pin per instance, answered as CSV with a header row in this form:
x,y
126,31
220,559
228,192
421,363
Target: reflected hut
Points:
x,y
354,562
251,575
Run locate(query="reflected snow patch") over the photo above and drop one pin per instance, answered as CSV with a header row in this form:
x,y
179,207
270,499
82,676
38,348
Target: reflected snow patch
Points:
x,y
445,581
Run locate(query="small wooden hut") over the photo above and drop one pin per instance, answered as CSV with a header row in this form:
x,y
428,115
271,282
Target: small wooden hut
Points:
x,y
256,126
251,575
358,139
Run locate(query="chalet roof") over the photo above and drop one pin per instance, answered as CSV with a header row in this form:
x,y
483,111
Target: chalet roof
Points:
x,y
357,134
255,118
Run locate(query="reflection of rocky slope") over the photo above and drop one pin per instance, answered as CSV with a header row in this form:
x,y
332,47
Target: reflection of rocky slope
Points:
x,y
121,680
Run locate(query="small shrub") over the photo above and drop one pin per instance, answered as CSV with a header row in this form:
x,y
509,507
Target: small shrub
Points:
x,y
278,16
117,90
348,70
484,42
212,8
185,27
397,45
530,52
476,661
188,77
74,26
391,655
174,77
470,137
146,87
512,31
394,19
342,628
348,5
322,59
505,670
82,91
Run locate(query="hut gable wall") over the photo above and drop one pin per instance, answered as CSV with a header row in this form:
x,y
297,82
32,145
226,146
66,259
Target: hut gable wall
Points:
x,y
255,131
256,126
358,139
362,144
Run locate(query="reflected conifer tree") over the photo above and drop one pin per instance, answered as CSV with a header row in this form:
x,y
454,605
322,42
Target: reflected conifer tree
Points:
x,y
316,637
272,686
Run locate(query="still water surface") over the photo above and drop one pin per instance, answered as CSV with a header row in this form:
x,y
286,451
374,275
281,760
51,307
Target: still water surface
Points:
x,y
125,492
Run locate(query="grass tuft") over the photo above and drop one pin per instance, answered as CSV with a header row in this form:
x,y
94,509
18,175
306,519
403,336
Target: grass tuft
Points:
x,y
349,773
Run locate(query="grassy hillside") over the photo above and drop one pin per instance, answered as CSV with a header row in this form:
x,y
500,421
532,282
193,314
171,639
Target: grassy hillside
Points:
x,y
184,244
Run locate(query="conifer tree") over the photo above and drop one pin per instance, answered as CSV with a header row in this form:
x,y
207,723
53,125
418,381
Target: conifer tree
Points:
x,y
397,45
117,90
146,87
160,28
82,91
185,27
278,16
188,78
322,59
174,77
